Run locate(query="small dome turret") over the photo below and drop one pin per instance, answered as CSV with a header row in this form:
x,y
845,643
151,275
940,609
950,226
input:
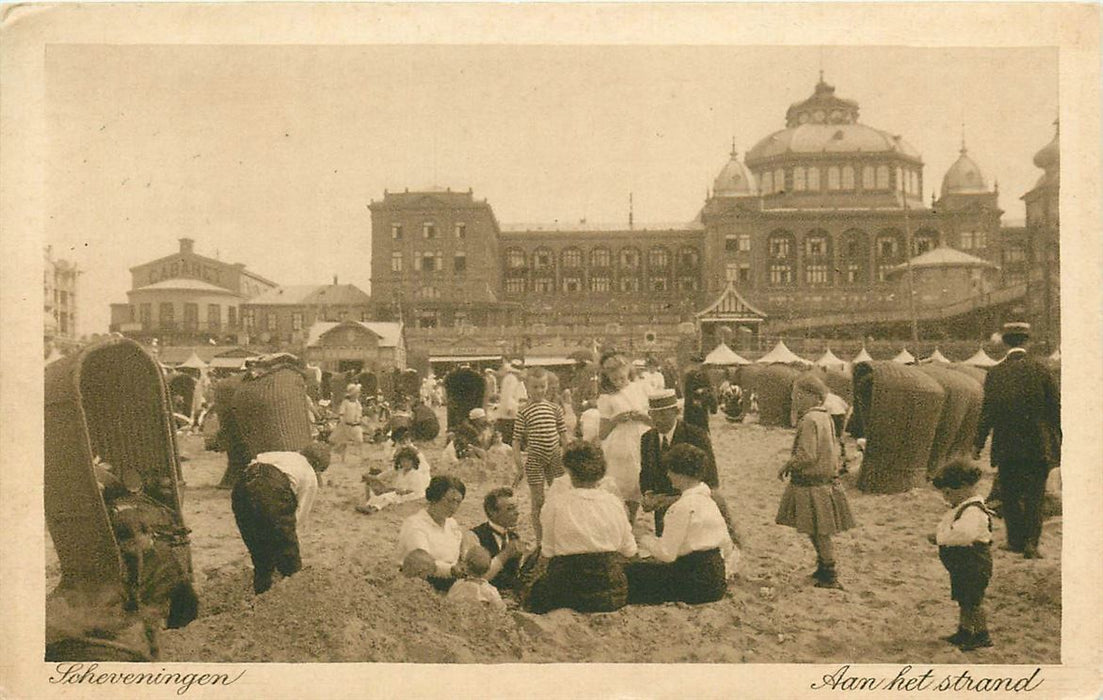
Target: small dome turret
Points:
x,y
964,177
735,180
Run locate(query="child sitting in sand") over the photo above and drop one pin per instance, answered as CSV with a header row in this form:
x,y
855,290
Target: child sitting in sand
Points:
x,y
964,539
475,587
406,482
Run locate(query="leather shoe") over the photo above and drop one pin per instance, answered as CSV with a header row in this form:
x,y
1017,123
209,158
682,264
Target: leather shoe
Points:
x,y
978,640
957,637
1032,553
1011,548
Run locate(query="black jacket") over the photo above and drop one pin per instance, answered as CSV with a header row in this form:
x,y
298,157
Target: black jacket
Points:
x,y
1022,409
653,476
507,577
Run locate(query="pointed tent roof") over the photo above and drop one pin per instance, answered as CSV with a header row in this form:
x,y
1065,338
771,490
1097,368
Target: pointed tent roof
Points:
x,y
782,355
1056,356
905,357
862,356
54,356
193,361
723,355
981,359
937,356
830,359
731,306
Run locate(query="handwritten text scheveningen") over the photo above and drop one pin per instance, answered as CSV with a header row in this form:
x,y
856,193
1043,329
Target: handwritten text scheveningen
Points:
x,y
912,680
77,673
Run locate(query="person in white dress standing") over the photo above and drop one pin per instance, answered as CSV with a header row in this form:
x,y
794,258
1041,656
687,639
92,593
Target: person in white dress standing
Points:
x,y
623,407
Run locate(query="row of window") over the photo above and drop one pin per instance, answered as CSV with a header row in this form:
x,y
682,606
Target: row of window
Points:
x,y
429,230
658,257
428,261
166,315
599,284
887,246
783,273
839,178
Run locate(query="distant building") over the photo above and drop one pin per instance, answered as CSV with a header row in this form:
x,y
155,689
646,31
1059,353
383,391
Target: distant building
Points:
x,y
349,345
1043,244
59,295
809,226
186,298
944,276
282,316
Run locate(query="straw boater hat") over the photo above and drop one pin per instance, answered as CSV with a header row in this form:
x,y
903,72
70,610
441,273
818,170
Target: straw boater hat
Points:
x,y
352,389
476,414
1016,329
662,400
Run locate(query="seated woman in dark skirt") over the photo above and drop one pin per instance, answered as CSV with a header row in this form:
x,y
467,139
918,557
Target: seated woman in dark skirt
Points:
x,y
688,561
586,538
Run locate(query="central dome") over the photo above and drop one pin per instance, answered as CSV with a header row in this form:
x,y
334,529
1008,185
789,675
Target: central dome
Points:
x,y
831,139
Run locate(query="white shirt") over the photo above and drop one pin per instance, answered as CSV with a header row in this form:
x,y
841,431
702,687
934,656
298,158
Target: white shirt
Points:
x,y
591,424
563,483
304,482
478,590
420,531
579,521
971,527
510,395
692,524
656,380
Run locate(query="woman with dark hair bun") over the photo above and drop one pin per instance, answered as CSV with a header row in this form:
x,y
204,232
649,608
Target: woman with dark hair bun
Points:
x,y
429,541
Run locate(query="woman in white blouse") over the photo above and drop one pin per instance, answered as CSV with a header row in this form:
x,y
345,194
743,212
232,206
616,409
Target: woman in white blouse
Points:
x,y
429,541
688,559
586,540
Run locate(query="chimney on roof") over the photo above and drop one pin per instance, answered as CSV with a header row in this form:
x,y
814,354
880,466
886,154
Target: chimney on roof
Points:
x,y
187,245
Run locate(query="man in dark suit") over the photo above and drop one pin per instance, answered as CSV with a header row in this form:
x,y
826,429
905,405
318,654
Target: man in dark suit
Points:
x,y
700,398
667,430
498,536
1022,409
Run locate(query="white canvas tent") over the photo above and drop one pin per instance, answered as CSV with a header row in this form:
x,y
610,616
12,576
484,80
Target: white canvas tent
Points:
x,y
723,356
862,356
782,355
831,361
981,359
937,356
193,361
904,358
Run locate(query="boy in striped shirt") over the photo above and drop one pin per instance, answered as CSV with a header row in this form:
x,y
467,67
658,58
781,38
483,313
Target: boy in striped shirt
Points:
x,y
541,433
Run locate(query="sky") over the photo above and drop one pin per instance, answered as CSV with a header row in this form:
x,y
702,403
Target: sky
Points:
x,y
270,155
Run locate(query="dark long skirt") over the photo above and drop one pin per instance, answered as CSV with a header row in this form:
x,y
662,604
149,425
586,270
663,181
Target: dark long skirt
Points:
x,y
592,582
694,578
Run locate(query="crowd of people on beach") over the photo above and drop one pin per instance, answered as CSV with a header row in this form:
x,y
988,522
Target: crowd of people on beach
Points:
x,y
624,490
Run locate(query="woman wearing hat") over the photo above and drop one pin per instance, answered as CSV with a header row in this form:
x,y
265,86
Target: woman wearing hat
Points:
x,y
349,430
624,419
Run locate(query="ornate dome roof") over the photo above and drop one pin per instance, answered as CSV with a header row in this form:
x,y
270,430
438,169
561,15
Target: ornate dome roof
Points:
x,y
734,180
1050,156
824,123
831,138
964,177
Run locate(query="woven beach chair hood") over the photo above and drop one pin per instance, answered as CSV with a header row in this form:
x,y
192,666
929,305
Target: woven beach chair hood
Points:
x,y
774,387
957,423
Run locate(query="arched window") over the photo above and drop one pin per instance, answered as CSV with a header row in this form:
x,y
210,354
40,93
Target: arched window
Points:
x,y
572,257
658,258
779,180
900,184
890,251
817,244
515,259
882,177
629,258
781,247
868,177
848,177
814,179
833,178
767,183
925,240
600,257
799,181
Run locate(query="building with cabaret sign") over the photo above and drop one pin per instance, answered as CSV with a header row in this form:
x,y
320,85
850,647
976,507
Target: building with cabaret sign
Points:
x,y
187,298
819,218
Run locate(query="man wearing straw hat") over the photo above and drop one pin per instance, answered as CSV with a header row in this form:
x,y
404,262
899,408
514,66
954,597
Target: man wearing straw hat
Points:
x,y
1022,410
668,430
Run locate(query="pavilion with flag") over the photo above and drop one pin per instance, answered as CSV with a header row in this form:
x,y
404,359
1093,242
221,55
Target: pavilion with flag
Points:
x,y
729,309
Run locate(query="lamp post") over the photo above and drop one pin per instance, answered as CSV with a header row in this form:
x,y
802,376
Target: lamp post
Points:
x,y
911,275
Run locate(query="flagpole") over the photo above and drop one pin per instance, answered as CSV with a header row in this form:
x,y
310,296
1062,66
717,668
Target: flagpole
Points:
x,y
911,276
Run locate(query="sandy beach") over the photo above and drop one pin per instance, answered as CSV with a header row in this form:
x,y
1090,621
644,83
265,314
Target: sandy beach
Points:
x,y
351,604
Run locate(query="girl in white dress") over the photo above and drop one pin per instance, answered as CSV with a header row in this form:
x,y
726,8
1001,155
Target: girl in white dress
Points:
x,y
624,419
349,430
